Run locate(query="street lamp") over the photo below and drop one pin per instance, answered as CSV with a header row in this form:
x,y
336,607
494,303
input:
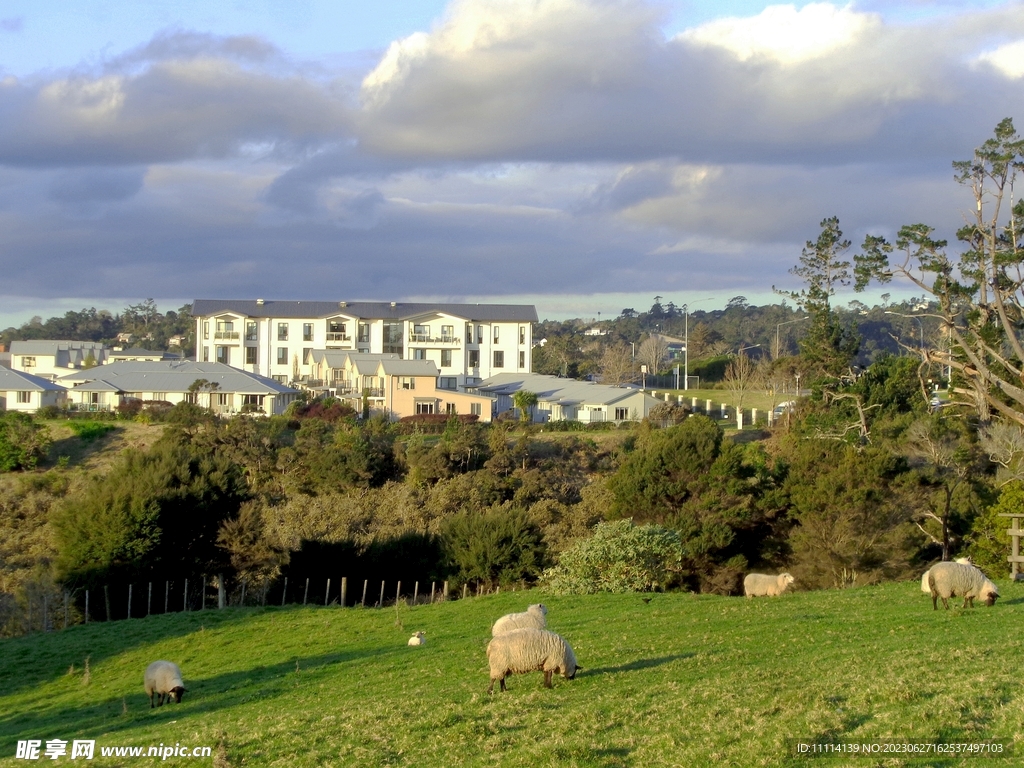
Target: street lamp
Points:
x,y
686,340
778,326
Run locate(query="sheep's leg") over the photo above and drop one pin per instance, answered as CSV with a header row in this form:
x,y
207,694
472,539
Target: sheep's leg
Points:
x,y
503,684
151,704
490,688
547,678
945,603
935,601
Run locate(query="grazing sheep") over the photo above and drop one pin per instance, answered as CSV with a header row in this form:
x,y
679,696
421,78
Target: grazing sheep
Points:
x,y
948,580
531,618
924,576
530,650
418,639
163,679
760,585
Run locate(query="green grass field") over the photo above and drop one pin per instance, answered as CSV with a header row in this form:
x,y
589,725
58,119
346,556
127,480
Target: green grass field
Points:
x,y
682,681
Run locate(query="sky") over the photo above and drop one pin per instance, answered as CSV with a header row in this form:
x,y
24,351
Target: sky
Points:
x,y
584,156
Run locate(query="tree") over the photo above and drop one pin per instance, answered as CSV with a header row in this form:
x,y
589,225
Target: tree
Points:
x,y
828,347
524,401
652,353
740,378
617,366
980,293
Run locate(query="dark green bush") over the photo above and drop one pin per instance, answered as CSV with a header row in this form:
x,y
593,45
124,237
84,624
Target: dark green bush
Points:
x,y
500,546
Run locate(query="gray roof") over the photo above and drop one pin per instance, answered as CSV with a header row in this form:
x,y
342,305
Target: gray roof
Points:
x,y
48,347
410,368
558,390
11,380
370,310
176,376
336,358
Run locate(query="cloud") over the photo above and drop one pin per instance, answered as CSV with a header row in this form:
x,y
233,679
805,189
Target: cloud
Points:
x,y
12,24
96,185
1008,59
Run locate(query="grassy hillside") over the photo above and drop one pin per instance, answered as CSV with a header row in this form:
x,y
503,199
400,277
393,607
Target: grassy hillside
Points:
x,y
684,680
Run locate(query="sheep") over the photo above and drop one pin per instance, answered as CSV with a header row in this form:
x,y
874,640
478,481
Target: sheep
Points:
x,y
531,618
163,679
528,650
924,576
760,585
948,580
418,639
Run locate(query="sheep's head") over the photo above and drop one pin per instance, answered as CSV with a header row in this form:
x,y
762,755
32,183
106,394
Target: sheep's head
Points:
x,y
569,673
788,579
989,593
175,694
539,608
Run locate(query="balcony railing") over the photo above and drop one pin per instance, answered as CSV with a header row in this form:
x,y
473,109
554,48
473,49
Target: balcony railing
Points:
x,y
89,407
339,336
226,335
426,338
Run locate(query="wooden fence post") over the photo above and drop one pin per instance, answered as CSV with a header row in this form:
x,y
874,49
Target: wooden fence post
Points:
x,y
106,599
221,592
184,601
306,593
202,599
464,588
167,595
446,590
327,594
381,603
366,583
344,591
241,600
87,606
415,592
149,600
284,591
129,601
433,584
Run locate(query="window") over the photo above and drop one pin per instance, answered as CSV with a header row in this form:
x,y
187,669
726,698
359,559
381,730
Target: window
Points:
x,y
28,362
192,397
282,331
250,330
24,397
225,326
447,382
419,354
407,382
222,355
474,408
307,331
450,409
421,330
160,396
479,334
280,379
522,359
225,398
307,355
499,359
251,356
474,358
424,408
621,414
206,354
469,333
282,355
446,358
496,334
447,333
364,333
393,344
206,329
522,334
253,400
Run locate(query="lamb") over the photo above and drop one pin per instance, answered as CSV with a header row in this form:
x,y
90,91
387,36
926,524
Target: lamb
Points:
x,y
760,585
948,580
528,650
924,577
418,639
163,679
531,618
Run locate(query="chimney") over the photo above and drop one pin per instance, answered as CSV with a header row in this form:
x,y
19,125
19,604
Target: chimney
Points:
x,y
393,304
259,302
342,304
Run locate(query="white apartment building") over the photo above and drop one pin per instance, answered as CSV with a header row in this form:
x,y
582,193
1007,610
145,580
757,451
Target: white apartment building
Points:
x,y
467,342
52,359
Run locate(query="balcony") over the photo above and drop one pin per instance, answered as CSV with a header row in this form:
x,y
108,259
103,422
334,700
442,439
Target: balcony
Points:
x,y
339,336
230,335
426,338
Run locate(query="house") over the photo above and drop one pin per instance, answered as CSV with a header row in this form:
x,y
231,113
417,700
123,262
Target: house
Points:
x,y
466,342
117,355
568,399
392,385
226,391
20,391
52,359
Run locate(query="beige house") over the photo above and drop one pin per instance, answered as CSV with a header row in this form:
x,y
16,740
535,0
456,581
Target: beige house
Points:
x,y
393,386
561,399
52,359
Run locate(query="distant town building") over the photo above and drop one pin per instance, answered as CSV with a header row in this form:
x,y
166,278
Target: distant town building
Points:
x,y
20,391
569,399
51,359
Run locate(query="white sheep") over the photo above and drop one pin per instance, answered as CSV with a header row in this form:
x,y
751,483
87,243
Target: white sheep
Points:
x,y
531,618
418,639
163,680
760,585
924,576
948,580
530,650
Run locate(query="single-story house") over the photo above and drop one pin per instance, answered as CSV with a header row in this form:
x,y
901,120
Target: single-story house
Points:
x,y
20,391
224,389
569,399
